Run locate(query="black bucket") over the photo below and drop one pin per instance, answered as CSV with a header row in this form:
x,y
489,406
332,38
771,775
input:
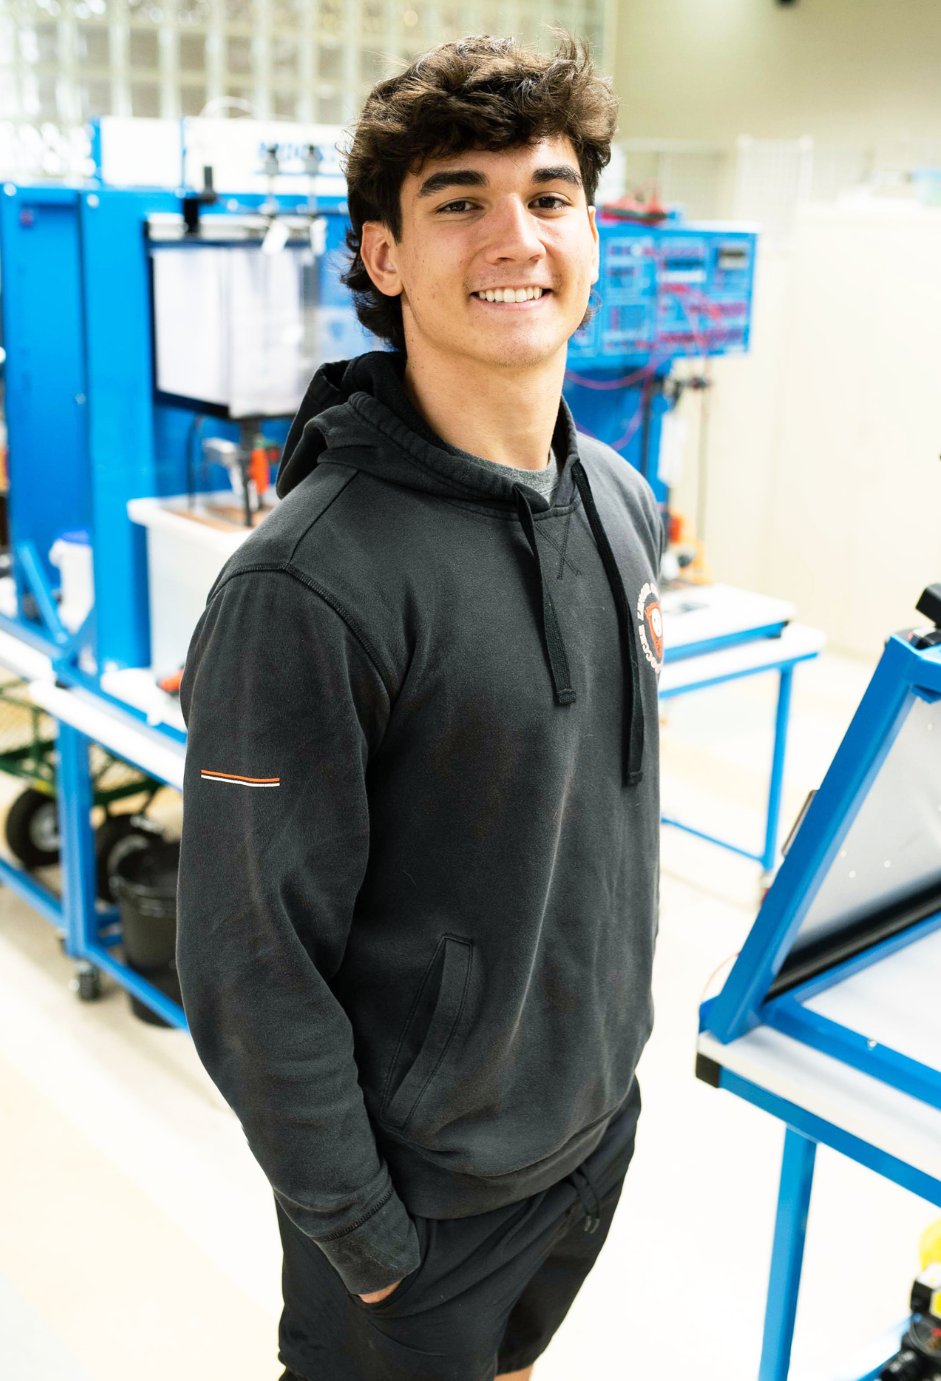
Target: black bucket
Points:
x,y
145,885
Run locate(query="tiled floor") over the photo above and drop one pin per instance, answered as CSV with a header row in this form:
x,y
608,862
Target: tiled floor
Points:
x,y
137,1237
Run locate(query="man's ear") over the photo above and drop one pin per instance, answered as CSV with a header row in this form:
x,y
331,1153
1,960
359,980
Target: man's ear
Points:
x,y
377,249
596,246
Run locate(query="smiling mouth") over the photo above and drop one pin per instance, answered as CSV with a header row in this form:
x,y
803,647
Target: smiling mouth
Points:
x,y
511,294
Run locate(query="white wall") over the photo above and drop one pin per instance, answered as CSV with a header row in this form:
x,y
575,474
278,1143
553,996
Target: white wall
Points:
x,y
824,478
844,71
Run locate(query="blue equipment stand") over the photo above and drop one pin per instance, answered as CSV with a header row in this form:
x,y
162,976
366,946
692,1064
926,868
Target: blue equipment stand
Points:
x,y
827,1019
90,931
722,661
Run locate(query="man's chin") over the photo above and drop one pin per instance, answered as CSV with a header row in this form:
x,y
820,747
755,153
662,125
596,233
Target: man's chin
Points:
x,y
512,350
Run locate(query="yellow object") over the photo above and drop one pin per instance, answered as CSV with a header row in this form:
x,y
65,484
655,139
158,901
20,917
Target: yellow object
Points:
x,y
930,1245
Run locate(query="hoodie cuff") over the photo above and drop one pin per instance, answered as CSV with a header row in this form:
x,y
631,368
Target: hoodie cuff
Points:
x,y
377,1252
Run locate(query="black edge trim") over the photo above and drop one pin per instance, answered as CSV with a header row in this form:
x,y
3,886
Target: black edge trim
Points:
x,y
707,1070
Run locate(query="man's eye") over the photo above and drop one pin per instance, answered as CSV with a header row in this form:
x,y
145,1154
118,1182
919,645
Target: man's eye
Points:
x,y
456,206
550,202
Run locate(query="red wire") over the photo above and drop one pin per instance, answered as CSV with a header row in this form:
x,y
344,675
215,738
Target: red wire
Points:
x,y
609,385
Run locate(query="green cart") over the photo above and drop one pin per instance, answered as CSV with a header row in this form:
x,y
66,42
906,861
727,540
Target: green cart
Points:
x,y
28,751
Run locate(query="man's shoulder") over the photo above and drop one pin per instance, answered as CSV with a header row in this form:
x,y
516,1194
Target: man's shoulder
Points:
x,y
615,477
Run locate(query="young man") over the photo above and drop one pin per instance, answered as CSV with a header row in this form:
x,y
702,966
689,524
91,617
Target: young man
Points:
x,y
418,885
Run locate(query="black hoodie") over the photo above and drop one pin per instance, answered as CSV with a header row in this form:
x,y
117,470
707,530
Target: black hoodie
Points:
x,y
418,883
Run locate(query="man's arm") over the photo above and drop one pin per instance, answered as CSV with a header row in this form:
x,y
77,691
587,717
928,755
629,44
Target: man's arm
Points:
x,y
283,706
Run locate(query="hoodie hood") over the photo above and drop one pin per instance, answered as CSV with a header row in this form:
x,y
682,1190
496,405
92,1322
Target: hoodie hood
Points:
x,y
359,411
361,406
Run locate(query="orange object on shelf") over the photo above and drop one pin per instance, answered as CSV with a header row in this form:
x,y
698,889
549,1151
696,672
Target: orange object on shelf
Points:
x,y
171,683
258,470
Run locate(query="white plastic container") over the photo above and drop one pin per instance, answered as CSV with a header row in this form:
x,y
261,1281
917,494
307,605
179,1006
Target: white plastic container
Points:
x,y
72,553
184,557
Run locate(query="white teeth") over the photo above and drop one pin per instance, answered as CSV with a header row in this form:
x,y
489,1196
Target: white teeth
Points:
x,y
509,294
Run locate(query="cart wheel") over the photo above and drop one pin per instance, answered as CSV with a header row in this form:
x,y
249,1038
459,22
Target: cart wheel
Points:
x,y
115,838
89,984
32,829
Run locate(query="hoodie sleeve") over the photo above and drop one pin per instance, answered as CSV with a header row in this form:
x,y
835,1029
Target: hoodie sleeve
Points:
x,y
283,707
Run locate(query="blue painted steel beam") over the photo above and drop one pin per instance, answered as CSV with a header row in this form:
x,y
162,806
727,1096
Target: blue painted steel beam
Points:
x,y
79,869
711,839
827,1134
138,986
787,1015
708,681
877,721
773,821
40,898
769,853
32,570
79,873
750,635
787,1255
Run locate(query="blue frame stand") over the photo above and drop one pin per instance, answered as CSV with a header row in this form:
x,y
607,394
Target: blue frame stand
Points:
x,y
787,1255
806,940
86,937
769,852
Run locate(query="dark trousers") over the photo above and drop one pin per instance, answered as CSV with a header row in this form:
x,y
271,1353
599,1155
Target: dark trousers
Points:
x,y
490,1291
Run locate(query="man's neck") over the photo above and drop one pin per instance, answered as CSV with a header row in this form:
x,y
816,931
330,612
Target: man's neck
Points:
x,y
507,416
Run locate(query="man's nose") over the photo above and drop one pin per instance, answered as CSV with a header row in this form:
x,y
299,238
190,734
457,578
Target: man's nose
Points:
x,y
512,233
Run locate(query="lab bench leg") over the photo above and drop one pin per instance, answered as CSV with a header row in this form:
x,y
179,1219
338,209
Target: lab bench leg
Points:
x,y
79,879
787,1255
773,821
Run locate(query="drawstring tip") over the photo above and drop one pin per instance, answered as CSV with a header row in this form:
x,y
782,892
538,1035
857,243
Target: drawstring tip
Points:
x,y
633,777
565,697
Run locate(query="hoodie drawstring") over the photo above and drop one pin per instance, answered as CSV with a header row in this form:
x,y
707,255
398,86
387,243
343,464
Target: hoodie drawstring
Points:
x,y
633,709
589,1199
552,633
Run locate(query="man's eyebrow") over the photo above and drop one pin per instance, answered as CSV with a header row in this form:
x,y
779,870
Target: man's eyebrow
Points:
x,y
454,177
563,173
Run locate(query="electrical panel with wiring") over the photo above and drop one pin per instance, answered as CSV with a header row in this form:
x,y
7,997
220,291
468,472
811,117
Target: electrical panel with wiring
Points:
x,y
667,290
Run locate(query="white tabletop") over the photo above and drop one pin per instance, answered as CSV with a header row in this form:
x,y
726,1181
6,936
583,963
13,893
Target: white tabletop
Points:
x,y
903,1127
795,641
23,660
146,748
699,613
895,1001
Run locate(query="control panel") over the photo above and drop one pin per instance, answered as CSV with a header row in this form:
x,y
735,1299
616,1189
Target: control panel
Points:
x,y
666,291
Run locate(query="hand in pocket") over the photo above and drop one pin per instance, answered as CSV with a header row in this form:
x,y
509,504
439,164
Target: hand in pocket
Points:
x,y
376,1295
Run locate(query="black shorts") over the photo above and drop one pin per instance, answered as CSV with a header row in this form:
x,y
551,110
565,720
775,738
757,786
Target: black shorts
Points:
x,y
490,1291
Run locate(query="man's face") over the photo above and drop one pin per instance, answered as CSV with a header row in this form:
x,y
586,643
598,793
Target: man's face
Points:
x,y
497,255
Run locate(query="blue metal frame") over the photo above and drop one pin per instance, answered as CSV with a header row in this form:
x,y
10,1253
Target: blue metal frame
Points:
x,y
805,1131
83,938
749,635
768,856
787,1255
903,674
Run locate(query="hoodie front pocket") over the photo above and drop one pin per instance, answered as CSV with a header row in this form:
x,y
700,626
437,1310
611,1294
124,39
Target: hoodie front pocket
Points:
x,y
451,966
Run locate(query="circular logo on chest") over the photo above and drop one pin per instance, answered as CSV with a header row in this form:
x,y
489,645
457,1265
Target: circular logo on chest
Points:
x,y
650,625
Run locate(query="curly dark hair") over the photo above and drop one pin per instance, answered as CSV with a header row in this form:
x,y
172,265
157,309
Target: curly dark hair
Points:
x,y
476,93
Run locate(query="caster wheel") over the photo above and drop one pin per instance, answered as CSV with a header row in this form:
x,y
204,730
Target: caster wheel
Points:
x,y
89,985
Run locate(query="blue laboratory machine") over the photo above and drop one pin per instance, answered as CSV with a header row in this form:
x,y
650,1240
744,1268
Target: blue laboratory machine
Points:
x,y
666,292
